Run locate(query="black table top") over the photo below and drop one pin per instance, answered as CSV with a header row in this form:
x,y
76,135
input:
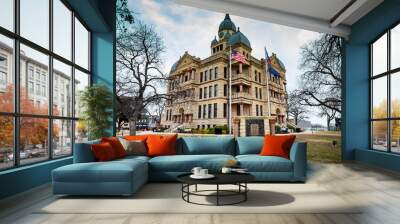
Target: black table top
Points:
x,y
220,178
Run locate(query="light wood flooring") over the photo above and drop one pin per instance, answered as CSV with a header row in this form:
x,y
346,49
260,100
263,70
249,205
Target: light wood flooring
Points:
x,y
379,190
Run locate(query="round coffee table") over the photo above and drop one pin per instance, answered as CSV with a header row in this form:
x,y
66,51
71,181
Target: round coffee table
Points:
x,y
238,179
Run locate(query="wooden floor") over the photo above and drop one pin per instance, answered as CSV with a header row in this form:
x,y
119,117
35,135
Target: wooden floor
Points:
x,y
378,189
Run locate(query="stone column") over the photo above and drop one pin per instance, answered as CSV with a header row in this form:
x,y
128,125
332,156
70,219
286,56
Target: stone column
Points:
x,y
240,88
241,109
240,68
267,129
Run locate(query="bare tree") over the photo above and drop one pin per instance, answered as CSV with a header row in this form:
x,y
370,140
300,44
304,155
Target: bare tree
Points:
x,y
140,80
157,109
321,82
330,115
295,109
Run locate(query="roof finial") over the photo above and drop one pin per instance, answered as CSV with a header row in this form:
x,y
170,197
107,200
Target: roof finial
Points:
x,y
238,29
227,16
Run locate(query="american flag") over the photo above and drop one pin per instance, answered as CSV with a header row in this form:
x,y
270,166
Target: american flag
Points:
x,y
271,69
237,56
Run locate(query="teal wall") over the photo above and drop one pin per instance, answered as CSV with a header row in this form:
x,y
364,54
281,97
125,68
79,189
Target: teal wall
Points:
x,y
103,65
380,159
99,15
356,124
103,53
24,178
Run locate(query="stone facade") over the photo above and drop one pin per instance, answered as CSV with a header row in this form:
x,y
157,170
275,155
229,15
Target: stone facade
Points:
x,y
200,87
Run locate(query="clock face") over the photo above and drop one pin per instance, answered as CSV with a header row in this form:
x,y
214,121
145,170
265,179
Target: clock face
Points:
x,y
221,34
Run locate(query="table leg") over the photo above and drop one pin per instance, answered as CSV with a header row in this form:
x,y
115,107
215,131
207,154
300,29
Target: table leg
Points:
x,y
182,190
217,194
245,193
188,190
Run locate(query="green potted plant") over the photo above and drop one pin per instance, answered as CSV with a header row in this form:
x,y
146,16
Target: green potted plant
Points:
x,y
96,102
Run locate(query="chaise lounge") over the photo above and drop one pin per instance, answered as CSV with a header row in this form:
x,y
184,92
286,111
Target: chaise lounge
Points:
x,y
125,176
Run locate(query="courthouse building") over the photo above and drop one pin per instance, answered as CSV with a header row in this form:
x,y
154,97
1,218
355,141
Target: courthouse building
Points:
x,y
201,88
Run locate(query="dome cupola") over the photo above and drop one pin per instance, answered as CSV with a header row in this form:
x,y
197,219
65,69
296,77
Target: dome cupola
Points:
x,y
227,24
214,42
226,27
239,38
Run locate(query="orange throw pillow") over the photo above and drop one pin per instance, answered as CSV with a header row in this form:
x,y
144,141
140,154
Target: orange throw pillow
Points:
x,y
159,145
103,152
116,145
277,145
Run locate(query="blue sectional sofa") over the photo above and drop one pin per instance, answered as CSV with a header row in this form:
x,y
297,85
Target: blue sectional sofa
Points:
x,y
125,176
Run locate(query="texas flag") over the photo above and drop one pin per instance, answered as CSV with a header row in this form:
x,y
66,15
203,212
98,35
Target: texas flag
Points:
x,y
271,70
237,56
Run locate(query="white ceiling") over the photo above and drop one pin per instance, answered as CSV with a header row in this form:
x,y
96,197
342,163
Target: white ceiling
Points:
x,y
325,16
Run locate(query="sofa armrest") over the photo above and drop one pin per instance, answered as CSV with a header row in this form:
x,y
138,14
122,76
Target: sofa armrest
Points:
x,y
83,152
298,155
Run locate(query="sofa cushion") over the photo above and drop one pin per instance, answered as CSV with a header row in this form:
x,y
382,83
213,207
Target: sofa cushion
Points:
x,y
112,171
249,145
257,163
136,137
116,145
83,152
161,145
134,147
206,145
103,152
185,163
277,145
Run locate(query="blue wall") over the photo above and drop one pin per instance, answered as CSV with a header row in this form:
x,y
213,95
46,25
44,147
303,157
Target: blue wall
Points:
x,y
24,178
99,15
356,93
103,53
103,62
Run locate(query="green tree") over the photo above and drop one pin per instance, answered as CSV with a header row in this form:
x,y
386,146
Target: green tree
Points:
x,y
96,102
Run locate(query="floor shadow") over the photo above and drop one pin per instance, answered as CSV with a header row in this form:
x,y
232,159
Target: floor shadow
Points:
x,y
256,198
148,191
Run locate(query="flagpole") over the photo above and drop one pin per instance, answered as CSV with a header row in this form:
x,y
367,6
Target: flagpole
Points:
x,y
267,71
268,100
230,91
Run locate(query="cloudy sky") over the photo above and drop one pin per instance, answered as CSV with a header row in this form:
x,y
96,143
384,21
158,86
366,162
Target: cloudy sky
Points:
x,y
190,29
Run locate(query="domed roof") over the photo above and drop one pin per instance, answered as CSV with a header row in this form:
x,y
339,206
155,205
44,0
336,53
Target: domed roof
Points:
x,y
173,67
239,37
227,24
227,35
215,41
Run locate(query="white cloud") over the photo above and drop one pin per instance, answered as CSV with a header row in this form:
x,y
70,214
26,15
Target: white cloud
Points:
x,y
190,29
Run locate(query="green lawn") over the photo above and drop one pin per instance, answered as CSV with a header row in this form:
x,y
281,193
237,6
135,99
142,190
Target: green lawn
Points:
x,y
320,148
319,145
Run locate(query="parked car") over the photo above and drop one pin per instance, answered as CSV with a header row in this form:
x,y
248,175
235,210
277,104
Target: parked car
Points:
x,y
22,155
284,131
